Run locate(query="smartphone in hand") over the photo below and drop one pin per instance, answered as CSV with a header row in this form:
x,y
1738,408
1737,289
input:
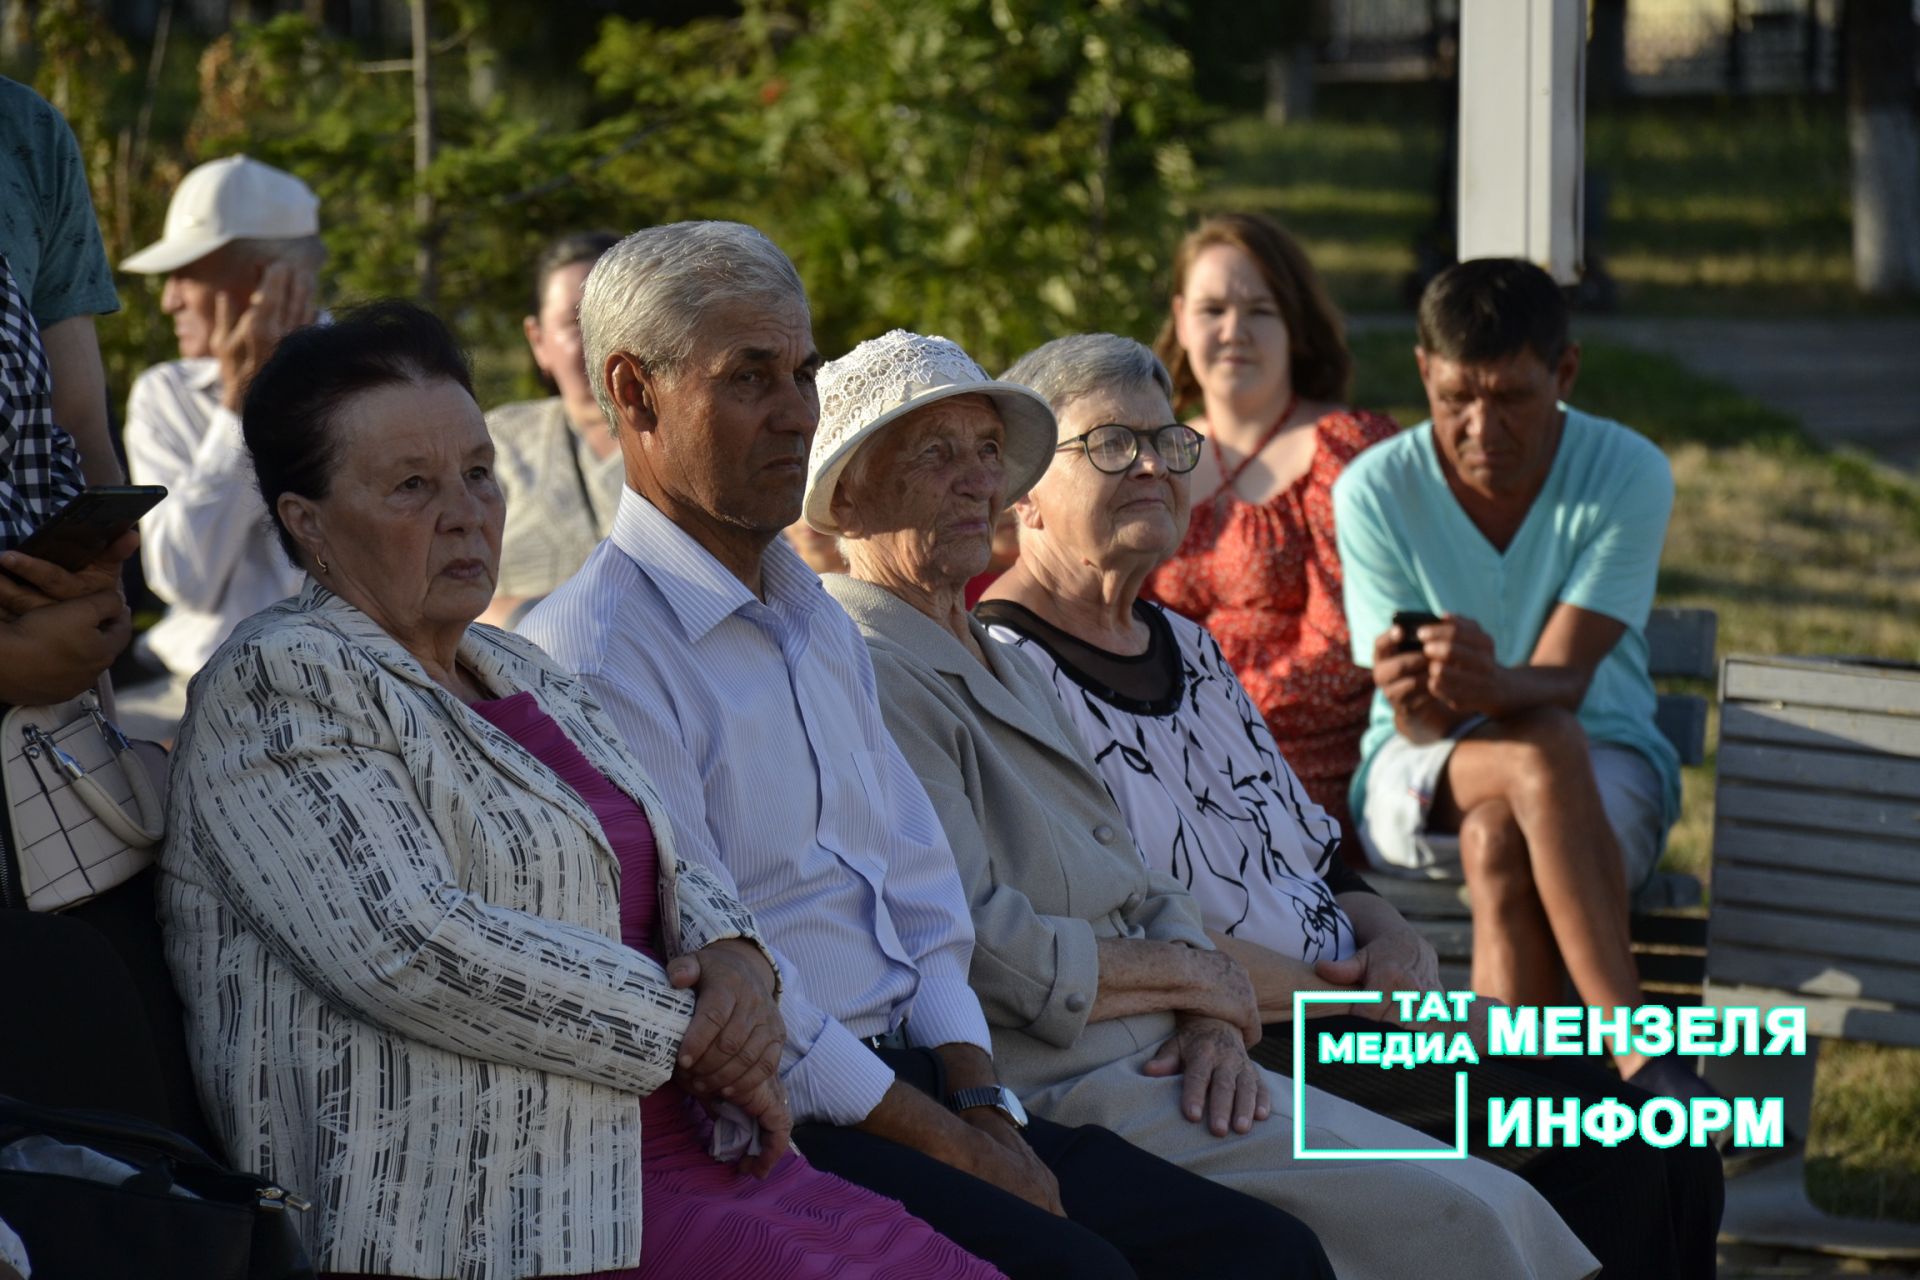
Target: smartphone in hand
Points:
x,y
77,533
1410,621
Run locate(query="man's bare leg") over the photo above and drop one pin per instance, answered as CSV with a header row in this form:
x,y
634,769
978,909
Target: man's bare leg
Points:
x,y
1514,956
1537,763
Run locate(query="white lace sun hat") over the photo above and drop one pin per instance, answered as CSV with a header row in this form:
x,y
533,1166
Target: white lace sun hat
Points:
x,y
885,378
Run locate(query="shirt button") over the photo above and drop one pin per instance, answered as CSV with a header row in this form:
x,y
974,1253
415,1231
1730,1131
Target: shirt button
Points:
x,y
1077,1003
1103,833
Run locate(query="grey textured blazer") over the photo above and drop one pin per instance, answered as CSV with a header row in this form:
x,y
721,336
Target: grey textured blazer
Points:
x,y
397,937
1044,852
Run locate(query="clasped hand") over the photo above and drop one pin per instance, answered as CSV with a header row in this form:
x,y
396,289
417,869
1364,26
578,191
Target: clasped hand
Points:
x,y
1453,670
731,1052
63,627
1398,960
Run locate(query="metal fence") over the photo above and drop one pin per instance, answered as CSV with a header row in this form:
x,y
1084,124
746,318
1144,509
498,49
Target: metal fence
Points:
x,y
1671,46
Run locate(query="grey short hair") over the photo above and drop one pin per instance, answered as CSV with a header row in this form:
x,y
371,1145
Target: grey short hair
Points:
x,y
648,294
308,252
1067,368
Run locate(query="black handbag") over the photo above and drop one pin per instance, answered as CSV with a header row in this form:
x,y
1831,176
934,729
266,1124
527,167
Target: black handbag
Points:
x,y
228,1226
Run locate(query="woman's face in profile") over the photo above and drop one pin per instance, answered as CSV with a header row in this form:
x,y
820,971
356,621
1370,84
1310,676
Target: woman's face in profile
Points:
x,y
410,526
1229,324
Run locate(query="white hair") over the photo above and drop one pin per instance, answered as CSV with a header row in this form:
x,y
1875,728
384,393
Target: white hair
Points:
x,y
308,252
648,295
1067,368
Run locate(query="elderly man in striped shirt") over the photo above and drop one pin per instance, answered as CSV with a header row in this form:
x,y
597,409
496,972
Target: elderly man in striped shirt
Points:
x,y
747,695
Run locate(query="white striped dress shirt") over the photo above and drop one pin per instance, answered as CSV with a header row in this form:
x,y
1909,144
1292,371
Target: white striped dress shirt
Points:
x,y
208,549
759,725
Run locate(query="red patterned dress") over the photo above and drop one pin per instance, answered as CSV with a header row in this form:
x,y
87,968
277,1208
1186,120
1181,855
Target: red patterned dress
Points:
x,y
1265,580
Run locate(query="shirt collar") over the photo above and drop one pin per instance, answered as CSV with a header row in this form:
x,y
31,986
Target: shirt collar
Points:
x,y
697,587
203,374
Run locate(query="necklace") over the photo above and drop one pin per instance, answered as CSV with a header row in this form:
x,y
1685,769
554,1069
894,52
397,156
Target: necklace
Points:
x,y
1219,460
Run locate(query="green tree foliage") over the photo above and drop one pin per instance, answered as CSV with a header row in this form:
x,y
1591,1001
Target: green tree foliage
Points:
x,y
1002,171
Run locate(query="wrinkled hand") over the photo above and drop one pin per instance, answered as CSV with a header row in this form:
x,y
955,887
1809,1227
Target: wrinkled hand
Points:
x,y
31,583
1225,993
1218,1081
282,303
1001,1156
58,650
1462,671
732,1046
767,1104
1397,960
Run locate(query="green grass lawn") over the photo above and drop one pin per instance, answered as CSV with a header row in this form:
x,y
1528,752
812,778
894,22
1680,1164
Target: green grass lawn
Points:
x,y
1798,551
1708,205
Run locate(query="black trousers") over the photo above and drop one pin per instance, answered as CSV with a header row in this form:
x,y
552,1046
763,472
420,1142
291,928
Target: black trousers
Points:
x,y
1644,1212
1129,1213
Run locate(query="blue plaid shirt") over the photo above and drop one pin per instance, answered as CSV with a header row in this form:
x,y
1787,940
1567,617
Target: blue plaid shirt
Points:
x,y
39,465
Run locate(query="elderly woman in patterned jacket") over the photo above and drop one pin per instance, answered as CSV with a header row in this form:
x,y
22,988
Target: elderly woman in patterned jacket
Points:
x,y
1109,1004
1213,804
444,973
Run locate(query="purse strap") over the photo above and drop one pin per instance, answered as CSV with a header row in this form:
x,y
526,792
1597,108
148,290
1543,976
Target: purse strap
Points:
x,y
147,825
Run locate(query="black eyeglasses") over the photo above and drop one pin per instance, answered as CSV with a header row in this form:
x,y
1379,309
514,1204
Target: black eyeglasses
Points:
x,y
1113,448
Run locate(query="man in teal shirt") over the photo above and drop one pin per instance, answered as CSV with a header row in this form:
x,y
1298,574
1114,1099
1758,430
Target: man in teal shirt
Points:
x,y
1522,721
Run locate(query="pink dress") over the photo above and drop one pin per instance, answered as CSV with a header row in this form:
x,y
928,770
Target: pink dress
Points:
x,y
704,1219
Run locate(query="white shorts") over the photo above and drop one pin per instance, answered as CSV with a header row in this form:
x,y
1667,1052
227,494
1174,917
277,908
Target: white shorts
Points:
x,y
1405,775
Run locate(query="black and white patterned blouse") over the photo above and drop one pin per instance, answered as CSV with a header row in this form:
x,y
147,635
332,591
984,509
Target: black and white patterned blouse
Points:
x,y
39,465
1193,766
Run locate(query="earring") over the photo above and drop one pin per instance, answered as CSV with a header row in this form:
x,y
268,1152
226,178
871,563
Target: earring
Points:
x,y
322,563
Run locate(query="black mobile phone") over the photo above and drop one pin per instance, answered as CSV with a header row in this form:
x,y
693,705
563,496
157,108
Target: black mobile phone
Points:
x,y
1410,621
77,533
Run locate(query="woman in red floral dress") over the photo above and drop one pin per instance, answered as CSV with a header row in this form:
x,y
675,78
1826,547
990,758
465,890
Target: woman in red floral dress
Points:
x,y
1257,348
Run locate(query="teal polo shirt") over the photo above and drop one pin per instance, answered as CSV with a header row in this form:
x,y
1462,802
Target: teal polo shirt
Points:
x,y
1592,539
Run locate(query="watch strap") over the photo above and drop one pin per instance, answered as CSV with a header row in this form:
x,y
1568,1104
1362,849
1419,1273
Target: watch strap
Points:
x,y
986,1095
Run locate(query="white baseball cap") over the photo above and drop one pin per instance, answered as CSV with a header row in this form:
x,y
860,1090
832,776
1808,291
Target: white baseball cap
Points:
x,y
225,200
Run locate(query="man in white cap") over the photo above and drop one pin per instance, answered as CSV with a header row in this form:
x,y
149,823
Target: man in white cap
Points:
x,y
240,253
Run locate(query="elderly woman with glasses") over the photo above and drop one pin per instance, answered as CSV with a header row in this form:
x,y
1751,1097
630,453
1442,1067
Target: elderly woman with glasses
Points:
x,y
1212,802
1108,1002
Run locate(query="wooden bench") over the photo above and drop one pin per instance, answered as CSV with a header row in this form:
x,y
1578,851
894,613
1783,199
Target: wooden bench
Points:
x,y
1816,901
1669,929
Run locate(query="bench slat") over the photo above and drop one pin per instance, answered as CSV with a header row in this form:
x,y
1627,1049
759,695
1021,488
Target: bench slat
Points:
x,y
1680,642
1853,772
1814,893
1682,720
1816,976
1836,1019
1737,842
1820,684
1417,898
1814,936
1817,813
1817,727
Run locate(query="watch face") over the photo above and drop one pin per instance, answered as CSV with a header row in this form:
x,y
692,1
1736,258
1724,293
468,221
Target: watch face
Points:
x,y
1011,1103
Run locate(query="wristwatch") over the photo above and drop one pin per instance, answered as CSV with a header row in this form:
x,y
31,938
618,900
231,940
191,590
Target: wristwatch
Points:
x,y
997,1096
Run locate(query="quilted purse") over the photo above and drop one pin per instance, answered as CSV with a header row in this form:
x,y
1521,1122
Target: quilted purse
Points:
x,y
83,815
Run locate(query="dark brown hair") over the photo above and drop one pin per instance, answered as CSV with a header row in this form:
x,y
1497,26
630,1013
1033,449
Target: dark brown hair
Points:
x,y
1322,368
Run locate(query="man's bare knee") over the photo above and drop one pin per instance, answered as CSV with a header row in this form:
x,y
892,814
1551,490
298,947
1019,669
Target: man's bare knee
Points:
x,y
1493,850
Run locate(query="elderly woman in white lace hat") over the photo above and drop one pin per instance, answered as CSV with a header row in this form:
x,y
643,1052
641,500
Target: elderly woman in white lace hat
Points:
x,y
1108,1003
